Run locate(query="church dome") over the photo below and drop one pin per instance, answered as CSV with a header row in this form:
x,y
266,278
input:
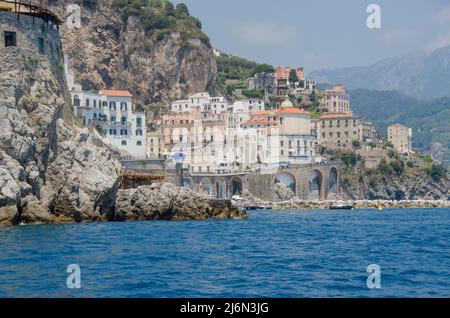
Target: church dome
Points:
x,y
287,104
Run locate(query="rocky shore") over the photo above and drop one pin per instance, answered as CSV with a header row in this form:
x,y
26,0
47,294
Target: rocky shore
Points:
x,y
164,201
356,204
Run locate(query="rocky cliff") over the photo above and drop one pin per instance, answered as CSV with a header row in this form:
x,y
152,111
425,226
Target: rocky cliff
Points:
x,y
360,183
50,169
151,50
163,201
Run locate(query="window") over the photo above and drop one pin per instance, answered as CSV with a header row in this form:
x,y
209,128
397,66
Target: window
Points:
x,y
87,102
124,132
113,119
10,39
76,100
123,121
41,47
139,122
112,106
139,143
139,132
124,142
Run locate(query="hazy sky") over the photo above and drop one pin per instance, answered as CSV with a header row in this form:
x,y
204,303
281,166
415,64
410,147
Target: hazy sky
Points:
x,y
320,34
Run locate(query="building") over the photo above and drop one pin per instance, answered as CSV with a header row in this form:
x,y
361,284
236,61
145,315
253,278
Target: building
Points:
x,y
401,137
283,73
112,113
337,100
30,27
339,130
282,135
155,147
202,102
262,81
369,133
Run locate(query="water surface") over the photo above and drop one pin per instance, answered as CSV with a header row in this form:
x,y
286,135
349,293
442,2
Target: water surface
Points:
x,y
272,254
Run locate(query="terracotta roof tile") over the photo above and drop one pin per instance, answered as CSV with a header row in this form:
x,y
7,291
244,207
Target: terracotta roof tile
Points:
x,y
116,93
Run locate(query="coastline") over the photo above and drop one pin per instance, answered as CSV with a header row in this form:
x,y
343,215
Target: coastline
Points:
x,y
356,204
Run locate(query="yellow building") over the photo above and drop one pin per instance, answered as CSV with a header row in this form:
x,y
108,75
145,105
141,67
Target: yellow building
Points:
x,y
338,130
155,146
401,137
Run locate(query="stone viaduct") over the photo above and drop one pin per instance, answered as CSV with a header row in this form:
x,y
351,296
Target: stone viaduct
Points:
x,y
308,182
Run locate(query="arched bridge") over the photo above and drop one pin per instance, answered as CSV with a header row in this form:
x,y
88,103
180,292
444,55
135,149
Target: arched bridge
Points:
x,y
308,182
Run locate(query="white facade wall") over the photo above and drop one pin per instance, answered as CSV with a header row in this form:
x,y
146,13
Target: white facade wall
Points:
x,y
114,116
201,102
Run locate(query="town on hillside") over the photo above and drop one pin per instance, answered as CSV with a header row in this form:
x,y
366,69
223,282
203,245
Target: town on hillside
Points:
x,y
277,120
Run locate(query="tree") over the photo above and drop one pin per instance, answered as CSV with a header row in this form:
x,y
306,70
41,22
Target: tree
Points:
x,y
264,68
170,9
356,144
182,10
436,172
293,78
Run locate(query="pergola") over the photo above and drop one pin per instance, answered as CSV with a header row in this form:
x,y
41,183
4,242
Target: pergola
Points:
x,y
31,8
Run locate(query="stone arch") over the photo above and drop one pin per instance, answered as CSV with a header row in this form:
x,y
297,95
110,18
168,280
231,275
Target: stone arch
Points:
x,y
315,185
288,180
221,189
333,184
237,186
205,186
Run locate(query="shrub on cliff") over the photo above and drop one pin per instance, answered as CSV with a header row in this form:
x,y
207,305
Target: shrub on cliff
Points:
x,y
436,172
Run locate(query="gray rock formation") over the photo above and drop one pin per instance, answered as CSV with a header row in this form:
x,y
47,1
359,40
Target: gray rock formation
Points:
x,y
50,169
164,201
110,51
283,192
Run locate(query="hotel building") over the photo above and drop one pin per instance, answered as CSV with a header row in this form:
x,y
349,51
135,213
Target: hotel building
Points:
x,y
112,113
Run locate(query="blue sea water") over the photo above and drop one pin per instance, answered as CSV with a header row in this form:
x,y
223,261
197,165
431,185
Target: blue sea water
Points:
x,y
272,254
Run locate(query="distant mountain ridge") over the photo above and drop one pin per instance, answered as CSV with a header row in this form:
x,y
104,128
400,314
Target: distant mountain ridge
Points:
x,y
419,75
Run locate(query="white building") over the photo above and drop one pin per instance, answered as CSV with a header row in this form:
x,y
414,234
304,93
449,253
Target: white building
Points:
x,y
202,102
112,113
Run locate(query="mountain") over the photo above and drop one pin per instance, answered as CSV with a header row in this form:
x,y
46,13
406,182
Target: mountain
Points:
x,y
430,119
419,75
150,47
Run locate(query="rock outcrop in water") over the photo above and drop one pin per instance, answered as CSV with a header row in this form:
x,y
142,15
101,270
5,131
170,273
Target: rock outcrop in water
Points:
x,y
51,171
164,201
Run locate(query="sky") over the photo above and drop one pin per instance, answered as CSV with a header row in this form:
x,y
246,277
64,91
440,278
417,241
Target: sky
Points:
x,y
322,34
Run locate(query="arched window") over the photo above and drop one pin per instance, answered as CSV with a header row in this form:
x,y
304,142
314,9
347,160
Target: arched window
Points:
x,y
123,106
87,102
112,106
124,142
105,104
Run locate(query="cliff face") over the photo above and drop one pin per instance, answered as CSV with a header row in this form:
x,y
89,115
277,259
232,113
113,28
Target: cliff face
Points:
x,y
113,50
50,170
361,184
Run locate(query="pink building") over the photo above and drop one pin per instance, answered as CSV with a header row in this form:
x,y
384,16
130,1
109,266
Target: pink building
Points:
x,y
282,73
336,100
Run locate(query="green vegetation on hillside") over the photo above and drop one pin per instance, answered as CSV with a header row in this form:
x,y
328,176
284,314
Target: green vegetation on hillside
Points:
x,y
231,67
163,17
430,119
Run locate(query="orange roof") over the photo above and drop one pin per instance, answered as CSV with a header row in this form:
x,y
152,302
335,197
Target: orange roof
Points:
x,y
336,116
260,113
292,110
116,93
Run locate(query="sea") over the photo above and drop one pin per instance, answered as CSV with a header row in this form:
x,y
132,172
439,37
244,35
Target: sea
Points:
x,y
286,254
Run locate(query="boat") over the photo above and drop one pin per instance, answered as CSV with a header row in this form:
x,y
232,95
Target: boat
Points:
x,y
341,207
